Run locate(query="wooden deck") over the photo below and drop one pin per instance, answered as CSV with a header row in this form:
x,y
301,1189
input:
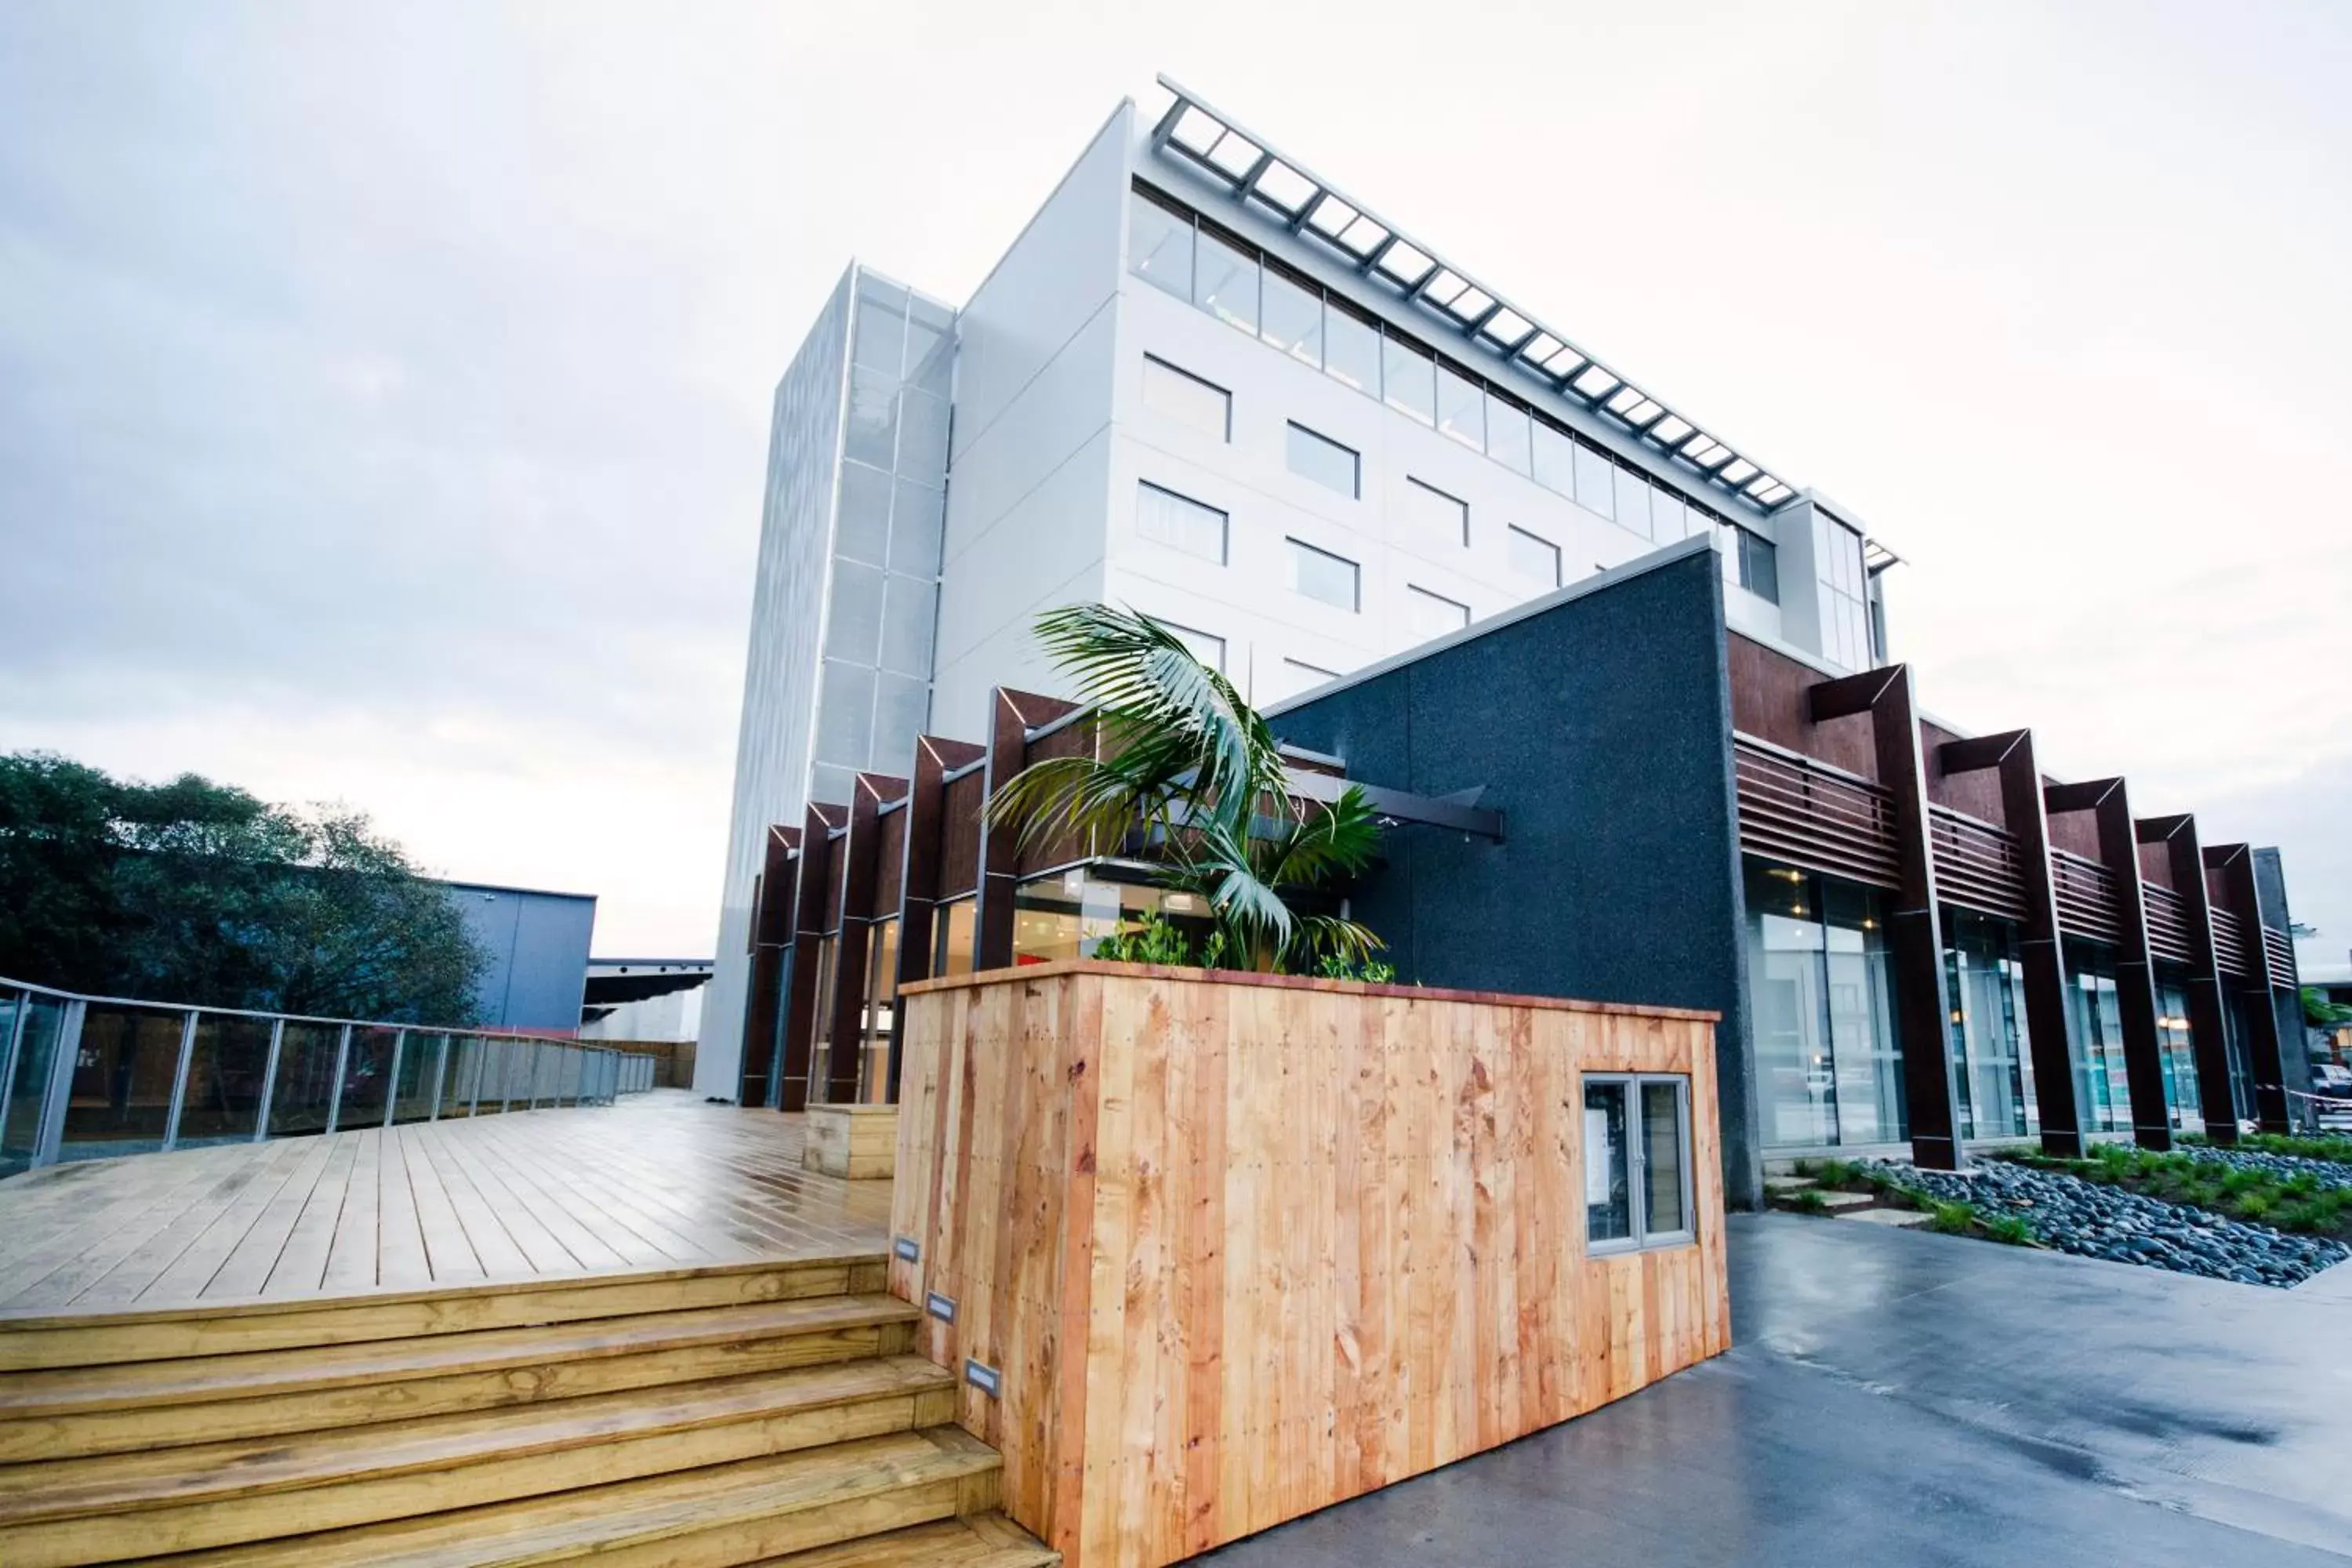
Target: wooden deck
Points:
x,y
658,1181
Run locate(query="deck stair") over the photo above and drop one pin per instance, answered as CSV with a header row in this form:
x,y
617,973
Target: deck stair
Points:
x,y
769,1413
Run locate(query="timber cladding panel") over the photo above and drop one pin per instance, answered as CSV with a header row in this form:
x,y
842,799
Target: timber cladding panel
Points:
x,y
1239,1248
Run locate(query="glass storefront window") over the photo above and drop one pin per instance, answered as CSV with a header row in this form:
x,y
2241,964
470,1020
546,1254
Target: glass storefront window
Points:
x,y
953,930
820,1031
1065,915
2101,1087
2177,1046
1827,1062
1994,1081
879,1012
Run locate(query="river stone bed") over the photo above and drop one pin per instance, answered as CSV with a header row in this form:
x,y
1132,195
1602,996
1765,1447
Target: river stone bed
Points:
x,y
2098,1221
2286,1167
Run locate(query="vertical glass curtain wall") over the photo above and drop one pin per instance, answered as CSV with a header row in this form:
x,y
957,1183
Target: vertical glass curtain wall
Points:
x,y
1829,1064
84,1077
2102,1085
1991,1059
1178,251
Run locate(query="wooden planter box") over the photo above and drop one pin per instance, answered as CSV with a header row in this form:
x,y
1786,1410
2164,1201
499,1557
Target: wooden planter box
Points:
x,y
858,1141
1237,1248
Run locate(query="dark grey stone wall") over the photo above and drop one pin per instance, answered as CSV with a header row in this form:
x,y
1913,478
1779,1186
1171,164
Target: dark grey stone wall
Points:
x,y
1601,726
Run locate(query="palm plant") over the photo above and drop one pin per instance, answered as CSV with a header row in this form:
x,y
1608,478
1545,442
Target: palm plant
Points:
x,y
1182,763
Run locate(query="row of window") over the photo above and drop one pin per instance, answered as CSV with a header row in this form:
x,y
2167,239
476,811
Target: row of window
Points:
x,y
1177,250
1206,408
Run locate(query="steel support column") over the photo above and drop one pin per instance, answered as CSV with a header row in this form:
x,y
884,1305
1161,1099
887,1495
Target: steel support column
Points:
x,y
919,876
1913,926
860,853
2049,1023
2265,1053
2110,803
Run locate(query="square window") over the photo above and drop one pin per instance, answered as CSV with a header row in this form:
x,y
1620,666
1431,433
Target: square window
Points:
x,y
1179,522
1320,574
1188,400
1637,1161
1224,282
1437,519
1159,245
1293,318
1325,461
1534,558
1433,614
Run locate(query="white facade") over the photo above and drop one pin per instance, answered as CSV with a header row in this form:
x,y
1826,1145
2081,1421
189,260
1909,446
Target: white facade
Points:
x,y
1333,517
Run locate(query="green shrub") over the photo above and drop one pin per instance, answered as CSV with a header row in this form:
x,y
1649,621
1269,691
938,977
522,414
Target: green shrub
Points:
x,y
2011,1229
1837,1172
1807,1200
2253,1205
1952,1220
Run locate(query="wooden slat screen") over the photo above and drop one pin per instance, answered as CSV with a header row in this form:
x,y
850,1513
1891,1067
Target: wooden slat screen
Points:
x,y
1977,865
2230,942
2281,948
2086,897
1803,813
2168,924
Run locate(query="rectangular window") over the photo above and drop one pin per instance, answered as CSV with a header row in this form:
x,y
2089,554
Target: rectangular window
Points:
x,y
1534,558
1179,522
1408,380
1667,515
1225,281
1351,348
1320,574
1299,675
1293,316
1433,614
1637,1165
1159,245
1507,435
1596,481
1187,400
1324,460
1461,407
1207,646
1437,517
1759,567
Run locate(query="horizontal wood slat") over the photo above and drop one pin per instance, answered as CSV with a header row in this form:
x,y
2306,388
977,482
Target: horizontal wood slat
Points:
x,y
2230,942
2086,897
2168,924
1977,866
2281,949
1803,814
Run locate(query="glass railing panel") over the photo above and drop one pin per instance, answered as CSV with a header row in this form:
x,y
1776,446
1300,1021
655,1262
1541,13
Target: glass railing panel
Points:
x,y
367,1076
412,1084
120,1098
29,1080
465,1077
567,1064
305,1092
227,1067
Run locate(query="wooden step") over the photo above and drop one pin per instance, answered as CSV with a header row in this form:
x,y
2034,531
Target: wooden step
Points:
x,y
179,1500
718,1517
29,1343
985,1540
98,1410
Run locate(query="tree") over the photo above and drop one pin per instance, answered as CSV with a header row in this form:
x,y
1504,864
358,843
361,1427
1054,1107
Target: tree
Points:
x,y
192,891
1184,764
2321,1013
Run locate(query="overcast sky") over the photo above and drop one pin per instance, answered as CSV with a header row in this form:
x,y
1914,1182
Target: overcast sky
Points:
x,y
383,390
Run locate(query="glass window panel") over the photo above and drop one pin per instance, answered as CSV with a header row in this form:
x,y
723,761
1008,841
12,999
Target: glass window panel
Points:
x,y
1633,501
1207,646
1555,460
1187,400
1067,914
1507,436
462,1082
1433,614
923,437
1437,519
1760,566
1662,1143
862,531
1408,380
1181,523
28,1087
1225,284
1596,481
1298,676
831,781
902,706
1351,348
951,947
1796,1083
1859,986
305,1091
852,628
222,1103
1608,1164
120,1095
1293,317
1461,407
909,611
1159,247
411,1085
1533,558
917,522
844,716
881,334
880,1005
873,433
930,352
1320,574
1669,519
367,1078
1325,461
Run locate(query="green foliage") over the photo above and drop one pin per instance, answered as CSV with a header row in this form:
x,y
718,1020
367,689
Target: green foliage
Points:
x,y
1837,1172
2335,1148
2011,1229
197,892
2252,1205
1354,966
1952,1220
1156,940
2295,1202
1185,771
2321,1013
1807,1200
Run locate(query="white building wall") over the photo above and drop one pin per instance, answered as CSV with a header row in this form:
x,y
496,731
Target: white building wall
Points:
x,y
1028,481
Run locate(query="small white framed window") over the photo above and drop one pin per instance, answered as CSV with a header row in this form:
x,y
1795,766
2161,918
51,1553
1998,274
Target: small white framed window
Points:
x,y
1437,517
1320,574
1533,556
1433,614
1185,399
1179,522
1326,462
1207,646
1637,1161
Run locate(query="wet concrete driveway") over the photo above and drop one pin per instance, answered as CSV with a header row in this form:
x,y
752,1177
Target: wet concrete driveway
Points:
x,y
1895,1398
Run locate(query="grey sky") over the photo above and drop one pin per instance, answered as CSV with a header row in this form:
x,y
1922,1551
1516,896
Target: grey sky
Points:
x,y
382,392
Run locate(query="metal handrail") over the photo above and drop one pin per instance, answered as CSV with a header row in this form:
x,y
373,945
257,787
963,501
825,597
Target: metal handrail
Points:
x,y
471,1072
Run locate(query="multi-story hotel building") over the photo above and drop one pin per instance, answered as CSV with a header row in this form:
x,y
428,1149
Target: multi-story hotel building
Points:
x,y
1205,384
